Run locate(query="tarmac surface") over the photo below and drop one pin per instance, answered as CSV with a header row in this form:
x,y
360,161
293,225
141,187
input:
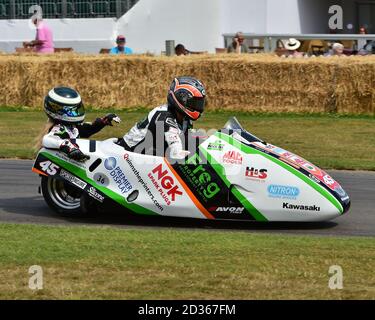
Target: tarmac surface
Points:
x,y
21,203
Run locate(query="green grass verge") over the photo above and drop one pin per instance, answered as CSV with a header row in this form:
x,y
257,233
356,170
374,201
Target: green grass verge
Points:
x,y
329,141
110,263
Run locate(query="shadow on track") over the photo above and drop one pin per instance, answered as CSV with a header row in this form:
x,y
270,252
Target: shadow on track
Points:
x,y
34,210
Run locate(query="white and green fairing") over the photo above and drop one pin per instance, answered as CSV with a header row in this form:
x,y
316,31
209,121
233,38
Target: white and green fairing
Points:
x,y
228,178
268,187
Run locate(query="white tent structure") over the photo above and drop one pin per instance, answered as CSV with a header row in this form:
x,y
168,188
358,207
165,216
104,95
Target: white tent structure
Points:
x,y
198,24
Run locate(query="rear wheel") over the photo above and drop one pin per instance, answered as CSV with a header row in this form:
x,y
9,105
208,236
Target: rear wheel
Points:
x,y
62,197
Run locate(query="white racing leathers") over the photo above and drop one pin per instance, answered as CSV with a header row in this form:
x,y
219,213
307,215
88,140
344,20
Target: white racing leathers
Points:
x,y
158,134
60,133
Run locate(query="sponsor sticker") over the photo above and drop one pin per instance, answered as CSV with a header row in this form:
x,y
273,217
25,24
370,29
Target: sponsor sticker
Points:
x,y
165,184
283,192
65,158
232,157
256,174
94,194
118,175
312,177
328,180
300,207
200,178
298,162
234,210
73,179
141,182
110,163
216,146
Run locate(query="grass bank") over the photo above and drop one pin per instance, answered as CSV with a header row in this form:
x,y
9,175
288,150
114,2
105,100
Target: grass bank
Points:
x,y
108,263
330,141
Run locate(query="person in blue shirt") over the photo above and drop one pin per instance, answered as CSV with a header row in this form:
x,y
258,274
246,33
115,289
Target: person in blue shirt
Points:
x,y
121,48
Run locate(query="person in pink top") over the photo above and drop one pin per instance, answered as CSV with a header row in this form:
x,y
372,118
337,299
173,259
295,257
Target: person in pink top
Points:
x,y
43,42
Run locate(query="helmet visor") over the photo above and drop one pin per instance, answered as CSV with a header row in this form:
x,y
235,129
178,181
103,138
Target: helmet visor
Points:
x,y
74,111
196,104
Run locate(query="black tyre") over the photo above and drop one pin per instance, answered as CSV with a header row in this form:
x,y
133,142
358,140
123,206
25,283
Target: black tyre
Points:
x,y
62,197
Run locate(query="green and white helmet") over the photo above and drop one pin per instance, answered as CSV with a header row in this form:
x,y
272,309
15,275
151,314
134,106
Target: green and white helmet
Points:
x,y
64,105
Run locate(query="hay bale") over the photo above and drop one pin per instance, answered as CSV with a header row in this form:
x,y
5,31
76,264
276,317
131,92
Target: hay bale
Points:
x,y
252,82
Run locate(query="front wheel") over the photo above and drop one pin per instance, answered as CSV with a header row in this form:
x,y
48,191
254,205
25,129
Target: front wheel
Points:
x,y
62,197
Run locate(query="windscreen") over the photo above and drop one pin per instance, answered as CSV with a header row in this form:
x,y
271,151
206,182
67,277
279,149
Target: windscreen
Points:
x,y
233,124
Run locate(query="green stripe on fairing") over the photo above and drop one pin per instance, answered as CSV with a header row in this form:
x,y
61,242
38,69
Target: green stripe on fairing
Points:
x,y
244,201
292,170
109,193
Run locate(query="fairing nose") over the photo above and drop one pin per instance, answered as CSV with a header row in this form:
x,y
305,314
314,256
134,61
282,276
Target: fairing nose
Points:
x,y
343,197
346,205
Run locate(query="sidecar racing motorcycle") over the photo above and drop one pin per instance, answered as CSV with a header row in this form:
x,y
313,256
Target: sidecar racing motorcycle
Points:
x,y
231,174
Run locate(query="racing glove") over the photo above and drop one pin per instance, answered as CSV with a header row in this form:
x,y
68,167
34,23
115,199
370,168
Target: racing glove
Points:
x,y
73,152
107,120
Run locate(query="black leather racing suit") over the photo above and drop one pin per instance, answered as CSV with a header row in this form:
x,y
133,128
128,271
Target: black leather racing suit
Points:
x,y
158,133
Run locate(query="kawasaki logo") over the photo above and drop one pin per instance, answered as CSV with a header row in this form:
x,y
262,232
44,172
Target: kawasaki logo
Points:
x,y
166,184
227,209
300,207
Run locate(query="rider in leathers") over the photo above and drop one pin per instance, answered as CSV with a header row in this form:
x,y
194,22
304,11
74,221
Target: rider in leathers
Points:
x,y
161,131
66,114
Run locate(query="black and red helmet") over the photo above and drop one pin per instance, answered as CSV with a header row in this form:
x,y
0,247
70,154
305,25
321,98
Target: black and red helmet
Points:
x,y
187,95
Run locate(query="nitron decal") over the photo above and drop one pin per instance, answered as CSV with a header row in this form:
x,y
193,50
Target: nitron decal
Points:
x,y
284,192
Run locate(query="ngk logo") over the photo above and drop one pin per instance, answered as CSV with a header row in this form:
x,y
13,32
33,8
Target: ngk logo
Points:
x,y
167,188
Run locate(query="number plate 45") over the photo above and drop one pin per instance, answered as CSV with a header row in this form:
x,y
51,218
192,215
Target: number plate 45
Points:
x,y
49,167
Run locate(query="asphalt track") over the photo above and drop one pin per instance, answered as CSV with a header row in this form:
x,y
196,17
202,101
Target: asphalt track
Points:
x,y
21,203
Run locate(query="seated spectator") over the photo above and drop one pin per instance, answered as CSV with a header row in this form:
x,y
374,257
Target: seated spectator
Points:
x,y
292,45
121,48
362,42
180,50
238,45
337,50
43,42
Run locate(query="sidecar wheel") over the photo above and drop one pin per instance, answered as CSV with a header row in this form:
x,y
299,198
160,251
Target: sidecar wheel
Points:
x,y
62,197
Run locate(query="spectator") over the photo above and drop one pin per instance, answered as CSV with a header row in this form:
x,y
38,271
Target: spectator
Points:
x,y
121,48
362,42
292,45
180,50
238,45
337,50
43,42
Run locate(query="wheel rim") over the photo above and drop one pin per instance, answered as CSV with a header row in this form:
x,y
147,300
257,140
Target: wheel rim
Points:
x,y
64,195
